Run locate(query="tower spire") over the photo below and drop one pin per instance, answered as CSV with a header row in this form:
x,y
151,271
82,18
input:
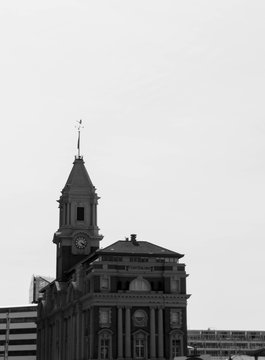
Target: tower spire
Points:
x,y
78,233
79,127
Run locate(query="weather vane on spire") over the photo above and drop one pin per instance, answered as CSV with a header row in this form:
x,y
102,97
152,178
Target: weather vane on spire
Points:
x,y
79,127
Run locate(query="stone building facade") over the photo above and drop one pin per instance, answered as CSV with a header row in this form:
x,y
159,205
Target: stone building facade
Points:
x,y
125,301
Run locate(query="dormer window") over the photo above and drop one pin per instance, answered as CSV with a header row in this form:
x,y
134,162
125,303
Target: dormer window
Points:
x,y
80,213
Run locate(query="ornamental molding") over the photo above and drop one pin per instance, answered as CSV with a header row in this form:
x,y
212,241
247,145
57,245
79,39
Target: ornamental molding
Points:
x,y
125,300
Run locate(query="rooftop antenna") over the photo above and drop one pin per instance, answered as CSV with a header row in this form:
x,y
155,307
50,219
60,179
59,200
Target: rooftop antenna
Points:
x,y
79,127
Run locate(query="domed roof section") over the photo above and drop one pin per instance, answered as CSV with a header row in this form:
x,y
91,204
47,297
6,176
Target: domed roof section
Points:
x,y
78,178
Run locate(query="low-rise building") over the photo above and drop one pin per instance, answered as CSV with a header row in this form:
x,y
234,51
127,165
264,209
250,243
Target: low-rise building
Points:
x,y
18,332
221,344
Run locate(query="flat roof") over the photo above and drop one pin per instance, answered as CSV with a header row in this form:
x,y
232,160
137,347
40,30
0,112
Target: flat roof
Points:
x,y
17,306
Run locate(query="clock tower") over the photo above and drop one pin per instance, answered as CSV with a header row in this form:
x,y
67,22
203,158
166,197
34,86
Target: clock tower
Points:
x,y
78,233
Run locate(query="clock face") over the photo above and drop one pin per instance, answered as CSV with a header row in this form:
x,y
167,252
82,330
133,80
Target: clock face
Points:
x,y
80,242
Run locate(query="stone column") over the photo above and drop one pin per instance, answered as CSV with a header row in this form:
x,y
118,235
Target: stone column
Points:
x,y
59,337
67,214
128,333
74,338
70,214
64,332
92,217
152,334
91,333
69,347
82,333
46,340
96,218
78,328
120,334
160,334
54,340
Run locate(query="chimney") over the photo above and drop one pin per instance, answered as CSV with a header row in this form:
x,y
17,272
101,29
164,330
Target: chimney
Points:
x,y
133,240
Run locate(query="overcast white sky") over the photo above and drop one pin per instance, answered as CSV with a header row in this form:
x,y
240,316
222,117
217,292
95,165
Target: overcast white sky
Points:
x,y
172,97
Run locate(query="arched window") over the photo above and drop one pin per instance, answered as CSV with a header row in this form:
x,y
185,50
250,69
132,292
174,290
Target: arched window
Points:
x,y
139,284
105,348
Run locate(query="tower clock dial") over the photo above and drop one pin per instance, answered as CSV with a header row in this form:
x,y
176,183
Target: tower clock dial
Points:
x,y
80,242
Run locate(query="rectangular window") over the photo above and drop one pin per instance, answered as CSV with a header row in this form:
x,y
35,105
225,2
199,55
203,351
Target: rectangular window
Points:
x,y
104,283
175,348
80,213
175,318
139,348
104,317
175,285
104,348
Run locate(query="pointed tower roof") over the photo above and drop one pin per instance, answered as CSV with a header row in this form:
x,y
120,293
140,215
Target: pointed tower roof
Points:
x,y
78,178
